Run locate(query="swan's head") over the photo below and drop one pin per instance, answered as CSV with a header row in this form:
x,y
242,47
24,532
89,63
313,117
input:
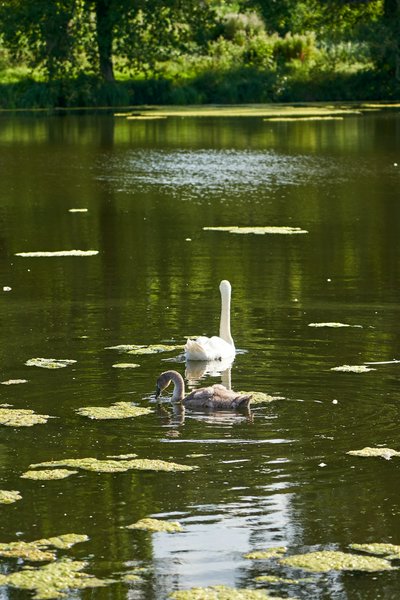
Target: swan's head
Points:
x,y
225,286
162,382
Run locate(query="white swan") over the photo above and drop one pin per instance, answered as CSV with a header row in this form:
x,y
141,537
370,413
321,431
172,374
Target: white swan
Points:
x,y
215,348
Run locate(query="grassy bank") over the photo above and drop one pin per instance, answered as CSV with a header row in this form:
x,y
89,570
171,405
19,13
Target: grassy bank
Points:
x,y
242,85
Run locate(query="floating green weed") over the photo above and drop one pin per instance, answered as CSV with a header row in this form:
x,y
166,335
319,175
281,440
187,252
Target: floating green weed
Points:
x,y
40,550
332,560
196,455
126,365
13,381
389,551
18,417
128,577
352,369
332,324
260,397
261,110
221,592
155,349
9,496
49,363
258,230
48,474
122,456
65,541
275,579
266,554
142,349
295,119
58,253
115,466
372,452
118,410
155,525
54,580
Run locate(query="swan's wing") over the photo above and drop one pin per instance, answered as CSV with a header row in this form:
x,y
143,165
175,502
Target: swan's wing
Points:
x,y
217,397
223,398
201,397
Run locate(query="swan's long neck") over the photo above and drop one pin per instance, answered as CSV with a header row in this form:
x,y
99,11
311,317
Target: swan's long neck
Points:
x,y
179,386
225,321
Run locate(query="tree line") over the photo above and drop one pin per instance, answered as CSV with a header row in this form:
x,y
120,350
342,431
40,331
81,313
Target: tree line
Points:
x,y
122,39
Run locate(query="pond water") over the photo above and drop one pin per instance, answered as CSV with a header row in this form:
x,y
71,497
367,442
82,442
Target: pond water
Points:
x,y
280,476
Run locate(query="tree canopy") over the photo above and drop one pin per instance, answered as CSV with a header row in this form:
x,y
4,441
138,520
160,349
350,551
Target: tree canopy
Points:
x,y
122,39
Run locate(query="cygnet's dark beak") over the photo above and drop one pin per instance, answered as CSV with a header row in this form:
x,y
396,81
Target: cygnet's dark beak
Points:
x,y
158,392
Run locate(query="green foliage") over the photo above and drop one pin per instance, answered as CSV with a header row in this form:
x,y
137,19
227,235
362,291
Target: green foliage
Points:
x,y
109,53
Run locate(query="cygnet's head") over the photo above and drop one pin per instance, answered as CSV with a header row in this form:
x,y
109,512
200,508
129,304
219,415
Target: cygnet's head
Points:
x,y
162,382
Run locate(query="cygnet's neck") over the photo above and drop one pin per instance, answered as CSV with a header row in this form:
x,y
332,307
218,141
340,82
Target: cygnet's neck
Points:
x,y
225,321
179,386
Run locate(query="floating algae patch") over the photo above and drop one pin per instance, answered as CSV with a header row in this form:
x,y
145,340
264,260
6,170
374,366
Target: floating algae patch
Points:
x,y
275,579
18,417
260,397
155,525
375,452
155,349
49,363
9,496
130,577
54,580
48,474
266,554
250,110
126,365
352,369
65,541
332,560
123,347
145,117
333,325
118,410
258,230
196,455
26,551
142,349
295,119
40,550
13,381
222,592
122,456
58,253
389,551
115,466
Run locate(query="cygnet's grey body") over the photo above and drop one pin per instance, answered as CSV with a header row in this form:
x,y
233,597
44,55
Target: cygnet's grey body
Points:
x,y
216,397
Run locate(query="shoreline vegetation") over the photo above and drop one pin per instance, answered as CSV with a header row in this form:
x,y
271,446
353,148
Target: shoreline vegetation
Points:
x,y
97,54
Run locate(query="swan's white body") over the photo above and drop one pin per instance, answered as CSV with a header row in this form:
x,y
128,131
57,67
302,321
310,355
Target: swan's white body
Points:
x,y
215,347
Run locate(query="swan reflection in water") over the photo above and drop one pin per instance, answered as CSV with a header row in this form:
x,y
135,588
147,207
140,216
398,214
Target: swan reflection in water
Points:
x,y
197,369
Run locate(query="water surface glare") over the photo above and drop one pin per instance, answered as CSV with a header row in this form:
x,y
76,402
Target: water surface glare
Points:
x,y
116,210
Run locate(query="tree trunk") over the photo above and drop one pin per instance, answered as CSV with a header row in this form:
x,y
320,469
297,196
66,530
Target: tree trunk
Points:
x,y
391,9
104,29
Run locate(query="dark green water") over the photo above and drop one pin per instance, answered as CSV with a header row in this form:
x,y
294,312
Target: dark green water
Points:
x,y
150,188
